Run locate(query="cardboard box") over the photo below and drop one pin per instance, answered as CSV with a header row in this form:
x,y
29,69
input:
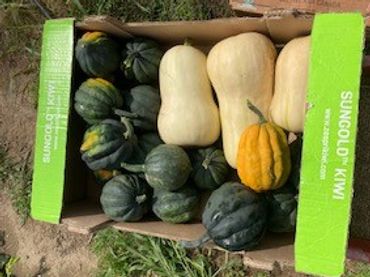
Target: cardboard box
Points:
x,y
64,191
301,6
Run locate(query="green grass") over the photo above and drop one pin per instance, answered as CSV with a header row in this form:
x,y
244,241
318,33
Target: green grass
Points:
x,y
20,28
22,11
126,254
153,10
15,179
7,264
20,37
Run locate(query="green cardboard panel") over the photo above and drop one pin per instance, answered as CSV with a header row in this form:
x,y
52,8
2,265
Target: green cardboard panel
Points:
x,y
329,144
52,120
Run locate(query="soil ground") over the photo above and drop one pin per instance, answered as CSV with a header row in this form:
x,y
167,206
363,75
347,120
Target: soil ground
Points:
x,y
44,249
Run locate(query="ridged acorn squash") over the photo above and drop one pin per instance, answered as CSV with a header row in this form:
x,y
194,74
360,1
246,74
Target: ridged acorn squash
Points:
x,y
263,161
97,54
177,206
126,198
142,104
166,167
96,100
107,144
210,168
235,218
141,58
146,143
282,209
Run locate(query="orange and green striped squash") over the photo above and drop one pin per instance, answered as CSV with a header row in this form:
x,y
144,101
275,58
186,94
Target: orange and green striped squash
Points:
x,y
263,160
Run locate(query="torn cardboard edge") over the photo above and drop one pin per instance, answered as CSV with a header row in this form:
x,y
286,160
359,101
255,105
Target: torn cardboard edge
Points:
x,y
301,6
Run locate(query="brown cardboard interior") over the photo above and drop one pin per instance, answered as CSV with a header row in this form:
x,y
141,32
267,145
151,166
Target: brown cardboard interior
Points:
x,y
361,203
75,173
82,212
204,32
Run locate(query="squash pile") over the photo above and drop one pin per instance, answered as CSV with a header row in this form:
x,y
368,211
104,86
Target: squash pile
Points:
x,y
165,127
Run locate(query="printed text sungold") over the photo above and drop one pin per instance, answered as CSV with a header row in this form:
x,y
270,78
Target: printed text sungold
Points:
x,y
343,144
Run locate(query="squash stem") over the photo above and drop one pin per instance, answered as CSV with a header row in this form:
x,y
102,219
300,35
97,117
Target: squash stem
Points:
x,y
129,129
196,243
254,109
129,60
188,42
135,168
125,113
141,199
116,173
206,163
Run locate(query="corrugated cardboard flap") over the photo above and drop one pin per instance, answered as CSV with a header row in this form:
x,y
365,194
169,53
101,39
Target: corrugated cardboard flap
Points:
x,y
84,217
200,32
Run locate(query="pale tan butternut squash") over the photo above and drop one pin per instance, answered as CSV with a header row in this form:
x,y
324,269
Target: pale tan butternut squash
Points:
x,y
291,73
188,115
240,68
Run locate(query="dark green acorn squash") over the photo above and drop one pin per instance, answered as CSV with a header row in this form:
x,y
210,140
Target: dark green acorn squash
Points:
x,y
166,167
97,54
125,198
149,141
282,205
141,58
235,218
178,206
143,103
107,144
146,143
296,155
96,100
210,168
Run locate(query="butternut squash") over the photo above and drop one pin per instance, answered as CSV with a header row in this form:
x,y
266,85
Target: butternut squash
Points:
x,y
240,68
288,104
188,115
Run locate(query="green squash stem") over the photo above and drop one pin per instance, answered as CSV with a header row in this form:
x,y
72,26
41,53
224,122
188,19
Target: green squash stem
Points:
x,y
187,42
141,175
206,163
141,199
254,109
129,128
125,114
129,60
135,168
116,173
196,243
